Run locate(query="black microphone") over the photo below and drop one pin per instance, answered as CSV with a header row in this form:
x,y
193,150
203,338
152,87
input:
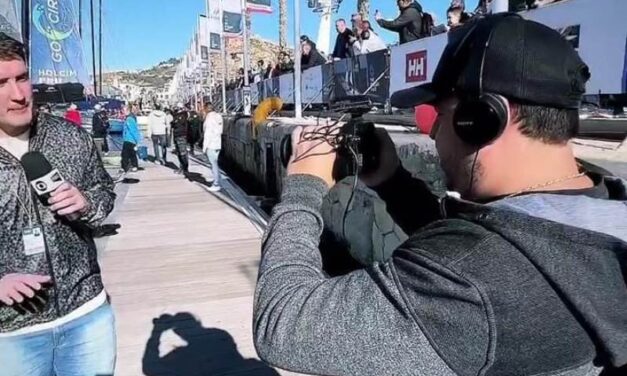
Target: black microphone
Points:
x,y
42,177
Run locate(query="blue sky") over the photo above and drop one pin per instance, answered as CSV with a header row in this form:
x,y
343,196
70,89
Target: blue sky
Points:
x,y
140,33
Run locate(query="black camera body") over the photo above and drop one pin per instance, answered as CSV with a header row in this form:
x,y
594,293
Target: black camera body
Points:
x,y
357,145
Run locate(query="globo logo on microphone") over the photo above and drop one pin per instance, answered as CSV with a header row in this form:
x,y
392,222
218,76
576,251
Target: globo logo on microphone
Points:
x,y
47,183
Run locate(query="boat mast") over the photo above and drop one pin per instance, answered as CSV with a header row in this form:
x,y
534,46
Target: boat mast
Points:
x,y
26,27
93,47
100,43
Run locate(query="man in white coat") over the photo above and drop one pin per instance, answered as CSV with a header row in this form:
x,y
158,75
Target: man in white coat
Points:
x,y
212,142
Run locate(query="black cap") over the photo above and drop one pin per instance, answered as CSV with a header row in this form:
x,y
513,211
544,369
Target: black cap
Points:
x,y
507,55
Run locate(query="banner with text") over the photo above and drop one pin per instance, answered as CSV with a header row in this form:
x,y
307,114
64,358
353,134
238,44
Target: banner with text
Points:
x,y
56,47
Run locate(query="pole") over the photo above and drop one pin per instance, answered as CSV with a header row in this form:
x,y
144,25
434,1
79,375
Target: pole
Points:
x,y
93,46
80,18
223,56
246,91
298,105
100,43
26,27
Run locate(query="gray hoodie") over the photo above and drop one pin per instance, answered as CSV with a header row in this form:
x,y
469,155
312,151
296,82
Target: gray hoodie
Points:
x,y
534,285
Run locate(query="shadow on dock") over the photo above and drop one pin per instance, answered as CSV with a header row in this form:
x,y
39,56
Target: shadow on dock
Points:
x,y
209,351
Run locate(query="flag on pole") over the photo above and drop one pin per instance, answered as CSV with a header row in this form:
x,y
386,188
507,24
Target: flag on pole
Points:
x,y
259,6
203,37
9,21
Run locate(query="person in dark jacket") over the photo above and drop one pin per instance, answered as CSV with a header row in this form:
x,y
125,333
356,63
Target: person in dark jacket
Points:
x,y
55,318
408,24
180,129
100,128
194,134
522,270
310,56
343,42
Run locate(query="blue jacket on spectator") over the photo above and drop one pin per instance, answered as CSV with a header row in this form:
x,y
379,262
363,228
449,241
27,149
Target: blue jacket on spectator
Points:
x,y
131,131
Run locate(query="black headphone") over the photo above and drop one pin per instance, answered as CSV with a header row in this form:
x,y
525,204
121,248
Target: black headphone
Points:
x,y
481,118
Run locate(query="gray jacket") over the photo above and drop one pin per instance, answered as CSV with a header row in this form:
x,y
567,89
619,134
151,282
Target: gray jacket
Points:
x,y
484,291
70,258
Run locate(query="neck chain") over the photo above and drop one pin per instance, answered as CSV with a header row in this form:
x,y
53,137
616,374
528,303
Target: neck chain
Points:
x,y
547,184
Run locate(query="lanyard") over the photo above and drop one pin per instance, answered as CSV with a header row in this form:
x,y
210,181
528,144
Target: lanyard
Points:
x,y
28,209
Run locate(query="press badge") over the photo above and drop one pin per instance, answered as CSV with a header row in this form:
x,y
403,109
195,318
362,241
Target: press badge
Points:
x,y
34,243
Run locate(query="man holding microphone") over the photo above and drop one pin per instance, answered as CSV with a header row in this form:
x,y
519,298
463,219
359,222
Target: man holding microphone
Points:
x,y
54,312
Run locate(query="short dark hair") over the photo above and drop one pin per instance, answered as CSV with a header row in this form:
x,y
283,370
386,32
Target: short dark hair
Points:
x,y
341,20
547,124
11,49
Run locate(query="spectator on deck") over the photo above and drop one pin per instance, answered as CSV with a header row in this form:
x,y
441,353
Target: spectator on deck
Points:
x,y
158,124
100,128
456,17
286,64
132,138
310,56
180,127
271,70
408,24
484,7
369,41
240,78
343,43
194,131
74,116
356,20
212,142
260,71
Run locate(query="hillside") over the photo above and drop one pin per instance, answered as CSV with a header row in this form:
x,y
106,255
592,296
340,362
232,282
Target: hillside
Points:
x,y
161,74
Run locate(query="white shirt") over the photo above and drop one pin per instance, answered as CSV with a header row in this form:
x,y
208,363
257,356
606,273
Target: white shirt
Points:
x,y
17,146
213,127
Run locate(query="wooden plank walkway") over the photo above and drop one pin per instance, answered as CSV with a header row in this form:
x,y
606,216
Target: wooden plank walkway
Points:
x,y
183,255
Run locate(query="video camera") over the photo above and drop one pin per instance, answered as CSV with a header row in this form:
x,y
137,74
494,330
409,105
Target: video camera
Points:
x,y
356,143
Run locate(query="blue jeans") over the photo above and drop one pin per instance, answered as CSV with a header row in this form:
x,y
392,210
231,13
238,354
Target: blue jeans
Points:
x,y
212,155
85,346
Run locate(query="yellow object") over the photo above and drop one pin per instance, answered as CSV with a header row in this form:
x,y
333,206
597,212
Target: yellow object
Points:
x,y
266,108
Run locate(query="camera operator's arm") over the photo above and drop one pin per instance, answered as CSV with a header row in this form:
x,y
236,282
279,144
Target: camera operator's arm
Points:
x,y
358,324
409,201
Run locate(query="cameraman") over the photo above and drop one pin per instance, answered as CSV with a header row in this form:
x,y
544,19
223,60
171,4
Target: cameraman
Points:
x,y
525,275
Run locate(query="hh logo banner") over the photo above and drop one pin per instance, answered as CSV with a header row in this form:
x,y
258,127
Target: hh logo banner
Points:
x,y
416,67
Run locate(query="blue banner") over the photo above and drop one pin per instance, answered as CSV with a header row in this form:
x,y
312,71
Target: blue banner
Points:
x,y
56,46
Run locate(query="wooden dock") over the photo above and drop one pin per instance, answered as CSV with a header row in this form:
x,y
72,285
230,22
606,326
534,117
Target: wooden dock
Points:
x,y
187,258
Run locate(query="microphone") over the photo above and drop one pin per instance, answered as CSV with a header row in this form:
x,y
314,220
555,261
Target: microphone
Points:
x,y
43,178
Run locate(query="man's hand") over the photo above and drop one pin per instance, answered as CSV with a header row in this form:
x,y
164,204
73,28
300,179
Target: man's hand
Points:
x,y
312,154
378,16
68,200
15,288
388,161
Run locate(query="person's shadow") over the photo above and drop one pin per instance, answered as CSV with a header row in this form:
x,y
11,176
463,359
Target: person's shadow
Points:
x,y
209,351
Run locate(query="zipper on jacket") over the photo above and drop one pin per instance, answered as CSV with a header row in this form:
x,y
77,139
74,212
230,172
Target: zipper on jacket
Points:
x,y
48,256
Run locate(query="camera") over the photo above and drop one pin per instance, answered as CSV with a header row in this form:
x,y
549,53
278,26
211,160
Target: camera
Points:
x,y
356,144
